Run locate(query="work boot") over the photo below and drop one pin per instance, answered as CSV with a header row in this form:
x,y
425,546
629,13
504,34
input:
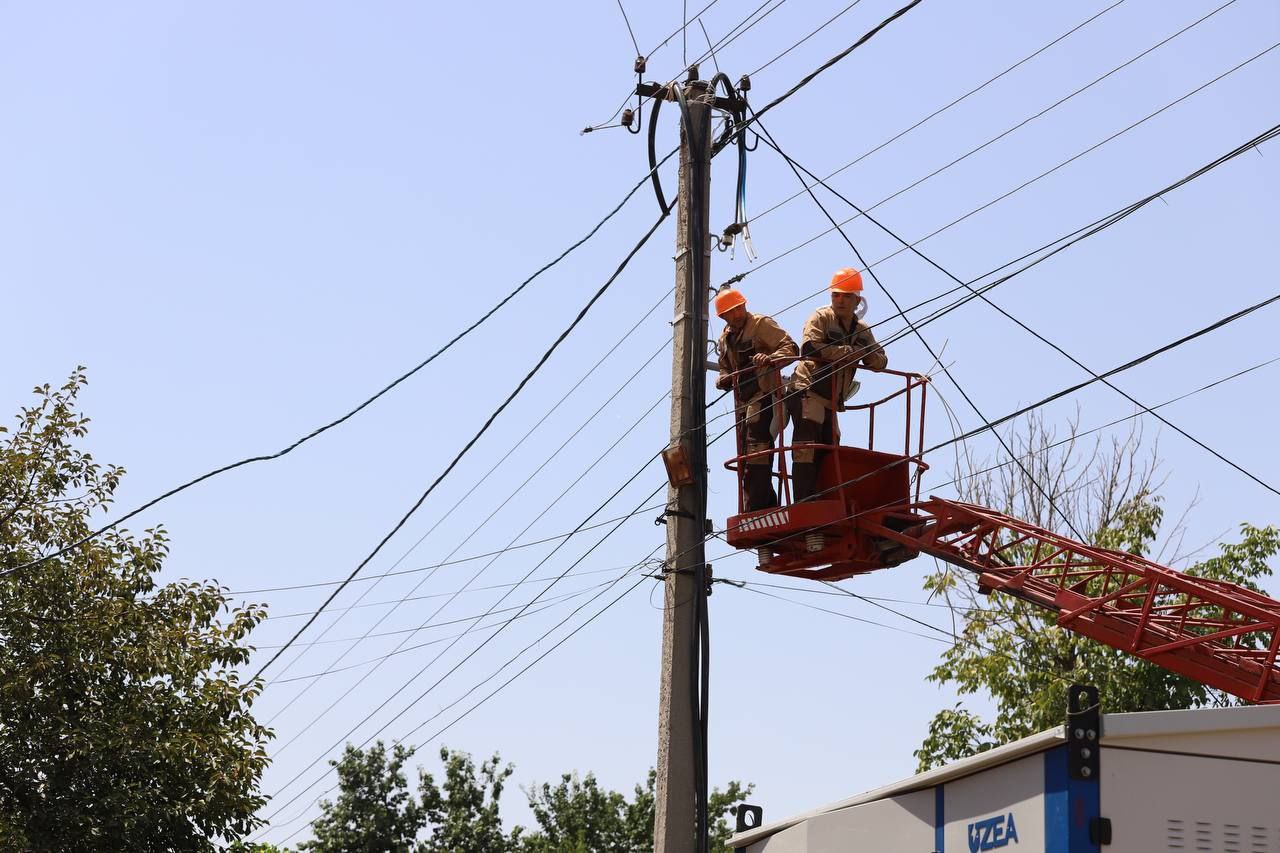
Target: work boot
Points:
x,y
760,493
804,480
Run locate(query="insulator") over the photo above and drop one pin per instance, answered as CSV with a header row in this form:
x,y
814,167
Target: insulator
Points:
x,y
627,117
766,557
814,541
639,64
744,85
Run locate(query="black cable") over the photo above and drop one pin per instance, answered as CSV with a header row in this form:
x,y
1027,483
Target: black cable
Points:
x,y
972,151
497,464
915,329
500,687
427,622
457,665
828,23
630,31
1024,326
483,429
316,432
971,92
808,78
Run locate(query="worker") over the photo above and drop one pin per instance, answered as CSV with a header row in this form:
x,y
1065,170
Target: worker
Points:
x,y
834,343
753,348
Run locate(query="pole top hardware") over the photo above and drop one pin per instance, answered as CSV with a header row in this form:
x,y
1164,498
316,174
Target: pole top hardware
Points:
x,y
657,90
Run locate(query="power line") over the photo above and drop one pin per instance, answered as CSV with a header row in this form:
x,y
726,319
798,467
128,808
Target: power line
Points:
x,y
971,92
458,561
456,666
484,428
915,329
500,462
822,27
481,571
319,430
978,148
500,687
630,31
769,140
809,78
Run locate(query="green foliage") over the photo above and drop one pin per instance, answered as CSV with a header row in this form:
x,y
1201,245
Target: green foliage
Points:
x,y
375,810
1017,655
463,812
123,723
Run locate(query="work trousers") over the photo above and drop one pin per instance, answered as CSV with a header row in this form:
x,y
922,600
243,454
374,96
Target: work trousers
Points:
x,y
761,430
812,422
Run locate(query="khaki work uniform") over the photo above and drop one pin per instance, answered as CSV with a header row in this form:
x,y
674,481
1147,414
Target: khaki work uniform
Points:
x,y
760,420
822,385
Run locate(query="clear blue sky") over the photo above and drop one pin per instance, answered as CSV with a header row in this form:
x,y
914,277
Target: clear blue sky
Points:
x,y
243,218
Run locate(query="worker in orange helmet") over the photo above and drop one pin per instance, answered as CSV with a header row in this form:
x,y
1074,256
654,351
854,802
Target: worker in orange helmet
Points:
x,y
753,348
834,344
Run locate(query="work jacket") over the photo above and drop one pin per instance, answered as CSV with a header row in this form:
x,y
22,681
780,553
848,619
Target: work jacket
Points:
x,y
840,350
760,334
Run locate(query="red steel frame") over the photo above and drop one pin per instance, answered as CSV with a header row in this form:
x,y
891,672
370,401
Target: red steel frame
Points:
x,y
911,381
1221,634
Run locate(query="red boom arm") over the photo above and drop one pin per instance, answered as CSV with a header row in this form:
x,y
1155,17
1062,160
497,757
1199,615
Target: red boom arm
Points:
x,y
1221,634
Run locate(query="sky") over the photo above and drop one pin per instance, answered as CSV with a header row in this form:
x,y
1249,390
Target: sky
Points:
x,y
244,219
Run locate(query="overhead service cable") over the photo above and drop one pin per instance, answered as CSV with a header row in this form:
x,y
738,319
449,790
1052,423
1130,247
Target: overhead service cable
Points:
x,y
864,155
472,558
319,430
497,690
1022,325
500,462
975,150
1050,250
820,28
630,31
483,429
485,588
812,75
427,622
914,328
457,665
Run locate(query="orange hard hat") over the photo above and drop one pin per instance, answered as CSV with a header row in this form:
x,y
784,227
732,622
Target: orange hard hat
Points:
x,y
727,300
847,280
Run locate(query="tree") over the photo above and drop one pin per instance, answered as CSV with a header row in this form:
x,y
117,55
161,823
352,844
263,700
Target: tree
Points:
x,y
1014,651
578,816
463,812
123,723
375,812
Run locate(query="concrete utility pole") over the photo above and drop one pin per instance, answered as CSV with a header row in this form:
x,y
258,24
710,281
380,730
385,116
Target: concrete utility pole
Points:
x,y
679,749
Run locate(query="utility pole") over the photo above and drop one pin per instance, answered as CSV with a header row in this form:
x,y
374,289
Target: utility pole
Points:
x,y
681,750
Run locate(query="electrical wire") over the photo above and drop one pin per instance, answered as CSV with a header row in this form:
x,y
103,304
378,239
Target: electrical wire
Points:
x,y
978,148
828,23
319,430
500,462
812,75
484,428
914,328
1022,325
457,665
630,31
971,92
489,587
458,561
